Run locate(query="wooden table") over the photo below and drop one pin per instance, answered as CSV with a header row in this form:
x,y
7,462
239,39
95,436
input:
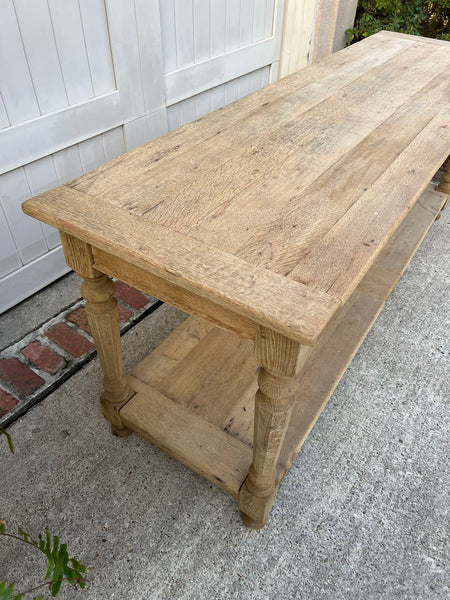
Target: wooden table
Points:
x,y
282,222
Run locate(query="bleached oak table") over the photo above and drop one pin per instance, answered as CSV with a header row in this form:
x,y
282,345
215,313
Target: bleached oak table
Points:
x,y
282,223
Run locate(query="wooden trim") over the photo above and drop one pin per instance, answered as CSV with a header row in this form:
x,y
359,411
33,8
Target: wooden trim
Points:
x,y
29,141
202,76
327,11
289,307
298,31
413,38
203,447
168,292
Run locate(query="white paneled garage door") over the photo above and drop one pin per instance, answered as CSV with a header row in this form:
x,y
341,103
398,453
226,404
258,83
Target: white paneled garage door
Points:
x,y
82,81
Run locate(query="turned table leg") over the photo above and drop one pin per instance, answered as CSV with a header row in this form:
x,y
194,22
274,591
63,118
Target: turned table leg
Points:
x,y
278,357
444,186
103,316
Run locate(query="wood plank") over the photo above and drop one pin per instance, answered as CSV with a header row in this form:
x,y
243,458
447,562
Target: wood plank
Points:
x,y
92,153
4,120
168,35
71,48
173,294
373,218
343,66
304,218
17,86
41,176
9,257
113,144
96,36
258,294
190,373
184,30
154,367
218,15
38,40
392,262
148,23
124,42
204,448
225,388
334,162
202,34
67,163
31,277
242,158
27,233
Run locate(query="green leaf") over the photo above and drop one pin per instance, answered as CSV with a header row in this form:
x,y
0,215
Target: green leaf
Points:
x,y
59,566
9,440
6,590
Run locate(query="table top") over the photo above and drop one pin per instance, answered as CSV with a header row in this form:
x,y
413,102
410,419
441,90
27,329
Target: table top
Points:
x,y
275,206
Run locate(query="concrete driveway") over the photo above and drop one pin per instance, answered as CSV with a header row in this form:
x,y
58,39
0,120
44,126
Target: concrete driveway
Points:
x,y
362,514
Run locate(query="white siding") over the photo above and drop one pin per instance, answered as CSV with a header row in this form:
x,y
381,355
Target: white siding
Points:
x,y
216,51
83,81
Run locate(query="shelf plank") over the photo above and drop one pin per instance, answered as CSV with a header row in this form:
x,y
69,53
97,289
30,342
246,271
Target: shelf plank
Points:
x,y
191,440
392,262
195,392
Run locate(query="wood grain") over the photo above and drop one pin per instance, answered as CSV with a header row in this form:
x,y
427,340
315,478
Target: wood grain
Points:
x,y
176,296
274,401
206,449
103,317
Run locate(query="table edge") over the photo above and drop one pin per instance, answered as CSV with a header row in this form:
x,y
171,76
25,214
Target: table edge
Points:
x,y
293,309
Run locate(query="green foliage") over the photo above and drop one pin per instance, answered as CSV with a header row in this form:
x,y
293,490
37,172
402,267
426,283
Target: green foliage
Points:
x,y
59,566
416,17
8,439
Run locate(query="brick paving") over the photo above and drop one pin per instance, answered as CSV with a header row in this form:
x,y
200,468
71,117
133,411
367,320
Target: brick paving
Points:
x,y
69,339
23,379
44,358
131,296
7,402
32,367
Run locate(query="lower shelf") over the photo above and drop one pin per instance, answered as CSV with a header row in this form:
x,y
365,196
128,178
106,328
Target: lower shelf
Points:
x,y
195,392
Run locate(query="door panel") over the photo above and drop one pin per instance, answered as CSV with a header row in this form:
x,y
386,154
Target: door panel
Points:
x,y
83,81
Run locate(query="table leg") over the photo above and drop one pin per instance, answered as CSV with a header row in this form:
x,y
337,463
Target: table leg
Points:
x,y
279,358
103,316
444,186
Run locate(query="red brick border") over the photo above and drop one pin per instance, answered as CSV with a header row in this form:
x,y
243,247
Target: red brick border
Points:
x,y
37,364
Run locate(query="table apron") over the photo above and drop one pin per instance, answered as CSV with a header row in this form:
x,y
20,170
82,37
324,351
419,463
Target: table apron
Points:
x,y
172,294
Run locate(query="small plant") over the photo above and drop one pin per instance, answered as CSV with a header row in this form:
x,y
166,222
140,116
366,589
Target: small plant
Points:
x,y
9,440
60,567
416,17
